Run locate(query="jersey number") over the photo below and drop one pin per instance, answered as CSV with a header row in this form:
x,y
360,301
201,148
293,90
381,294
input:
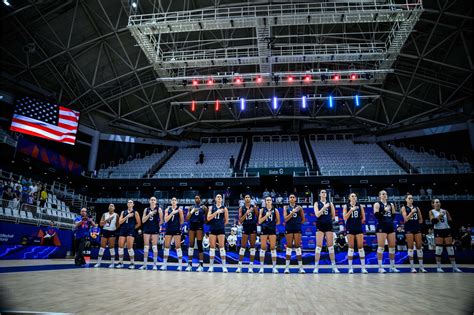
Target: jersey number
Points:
x,y
415,216
325,212
270,218
249,216
295,214
355,214
218,216
441,219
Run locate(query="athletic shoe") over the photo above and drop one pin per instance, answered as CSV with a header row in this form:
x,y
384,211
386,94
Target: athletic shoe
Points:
x,y
155,267
164,267
381,270
301,270
111,266
351,271
423,270
456,269
261,270
131,266
315,270
250,270
200,269
224,270
211,269
189,268
179,268
394,270
413,270
335,270
363,270
274,270
119,266
97,265
239,270
143,268
439,270
286,271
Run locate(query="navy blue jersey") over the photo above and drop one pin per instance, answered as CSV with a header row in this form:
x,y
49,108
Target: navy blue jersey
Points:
x,y
197,216
387,214
218,221
153,222
250,219
295,221
270,222
173,223
326,216
413,223
129,222
354,222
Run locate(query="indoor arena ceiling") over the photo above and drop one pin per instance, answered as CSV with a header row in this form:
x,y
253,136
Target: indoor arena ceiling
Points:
x,y
85,54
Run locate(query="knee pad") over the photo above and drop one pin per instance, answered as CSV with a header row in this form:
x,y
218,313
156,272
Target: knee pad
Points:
x,y
190,252
166,252
179,252
298,251
331,250
419,253
318,250
222,252
155,248
120,251
273,252
200,246
410,252
146,248
262,253
438,250
450,251
380,250
391,250
242,251
252,252
131,252
361,253
350,252
101,251
112,252
288,251
212,252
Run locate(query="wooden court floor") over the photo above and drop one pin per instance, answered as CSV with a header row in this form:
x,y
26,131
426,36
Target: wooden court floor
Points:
x,y
104,291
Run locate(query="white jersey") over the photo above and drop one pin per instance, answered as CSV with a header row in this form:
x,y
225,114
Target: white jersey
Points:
x,y
232,240
112,225
443,219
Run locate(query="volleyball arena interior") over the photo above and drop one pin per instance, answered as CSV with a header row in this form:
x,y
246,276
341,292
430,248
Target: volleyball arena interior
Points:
x,y
236,157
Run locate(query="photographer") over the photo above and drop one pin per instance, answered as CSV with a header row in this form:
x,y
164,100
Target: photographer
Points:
x,y
81,230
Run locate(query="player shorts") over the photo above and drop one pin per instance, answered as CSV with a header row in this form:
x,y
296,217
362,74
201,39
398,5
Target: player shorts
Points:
x,y
127,232
292,230
173,232
442,233
355,231
268,231
108,234
249,229
218,231
196,226
324,227
385,228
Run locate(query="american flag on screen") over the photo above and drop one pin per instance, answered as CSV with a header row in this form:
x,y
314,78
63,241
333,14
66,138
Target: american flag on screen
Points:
x,y
45,120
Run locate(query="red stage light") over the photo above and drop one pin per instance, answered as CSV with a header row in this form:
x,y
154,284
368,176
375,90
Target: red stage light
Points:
x,y
353,76
193,106
238,80
195,82
210,81
290,79
217,105
259,79
336,77
307,78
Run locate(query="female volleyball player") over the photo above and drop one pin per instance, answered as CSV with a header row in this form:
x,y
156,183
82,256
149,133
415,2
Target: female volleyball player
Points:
x,y
384,211
442,232
294,217
109,224
129,221
248,215
325,212
152,218
196,217
174,218
354,215
413,220
217,218
268,218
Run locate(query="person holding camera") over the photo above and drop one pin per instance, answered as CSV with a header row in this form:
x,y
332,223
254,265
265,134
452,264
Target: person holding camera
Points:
x,y
82,225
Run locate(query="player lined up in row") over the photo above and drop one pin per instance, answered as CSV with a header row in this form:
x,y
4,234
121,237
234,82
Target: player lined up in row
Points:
x,y
268,217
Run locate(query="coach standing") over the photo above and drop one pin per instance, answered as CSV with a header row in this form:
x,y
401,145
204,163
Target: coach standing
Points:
x,y
82,225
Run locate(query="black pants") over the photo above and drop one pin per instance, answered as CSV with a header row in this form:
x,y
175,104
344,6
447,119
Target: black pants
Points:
x,y
80,245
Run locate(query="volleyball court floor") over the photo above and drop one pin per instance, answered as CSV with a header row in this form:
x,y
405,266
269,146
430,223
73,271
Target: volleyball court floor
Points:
x,y
59,286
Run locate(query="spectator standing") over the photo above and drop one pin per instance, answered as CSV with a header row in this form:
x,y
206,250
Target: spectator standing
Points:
x,y
43,197
232,162
82,224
